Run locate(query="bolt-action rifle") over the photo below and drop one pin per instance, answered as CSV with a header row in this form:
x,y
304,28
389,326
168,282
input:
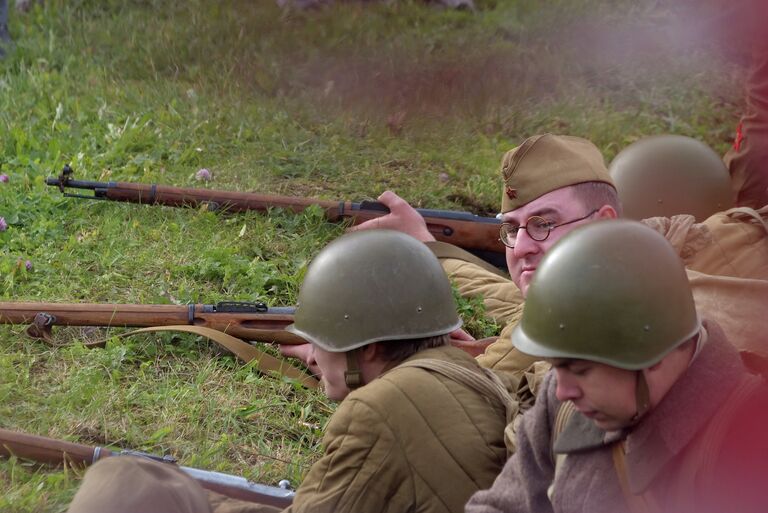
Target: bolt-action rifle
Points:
x,y
225,323
477,234
248,321
59,452
245,320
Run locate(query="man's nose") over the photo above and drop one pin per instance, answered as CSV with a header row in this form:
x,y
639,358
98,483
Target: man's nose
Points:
x,y
567,389
524,244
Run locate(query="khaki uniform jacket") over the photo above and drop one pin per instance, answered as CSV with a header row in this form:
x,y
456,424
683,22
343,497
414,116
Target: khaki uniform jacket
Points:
x,y
501,298
409,441
412,441
656,449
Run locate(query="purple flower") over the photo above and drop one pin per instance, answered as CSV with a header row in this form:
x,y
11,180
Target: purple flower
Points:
x,y
203,174
3,224
28,265
4,178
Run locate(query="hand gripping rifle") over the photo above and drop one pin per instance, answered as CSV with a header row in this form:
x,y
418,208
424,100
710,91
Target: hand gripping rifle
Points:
x,y
59,452
477,234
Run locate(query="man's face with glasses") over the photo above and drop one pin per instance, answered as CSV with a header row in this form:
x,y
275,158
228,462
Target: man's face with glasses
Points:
x,y
529,231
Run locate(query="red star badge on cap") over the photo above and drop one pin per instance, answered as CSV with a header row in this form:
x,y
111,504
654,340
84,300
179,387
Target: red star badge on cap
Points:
x,y
511,193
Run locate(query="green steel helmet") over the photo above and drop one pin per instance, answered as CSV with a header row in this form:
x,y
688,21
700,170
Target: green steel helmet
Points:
x,y
666,175
613,292
371,286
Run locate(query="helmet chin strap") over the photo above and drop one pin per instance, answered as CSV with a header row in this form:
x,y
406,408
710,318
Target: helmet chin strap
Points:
x,y
642,396
353,376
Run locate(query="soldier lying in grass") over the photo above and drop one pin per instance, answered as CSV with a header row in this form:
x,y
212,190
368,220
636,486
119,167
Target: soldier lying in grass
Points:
x,y
420,426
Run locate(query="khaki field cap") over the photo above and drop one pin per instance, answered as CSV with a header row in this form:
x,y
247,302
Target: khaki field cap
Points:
x,y
666,175
370,286
613,292
544,163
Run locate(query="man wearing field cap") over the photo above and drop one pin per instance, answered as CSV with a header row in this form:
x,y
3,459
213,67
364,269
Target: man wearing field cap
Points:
x,y
648,406
551,185
555,181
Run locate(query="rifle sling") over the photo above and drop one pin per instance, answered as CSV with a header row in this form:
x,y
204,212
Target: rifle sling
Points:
x,y
759,216
265,363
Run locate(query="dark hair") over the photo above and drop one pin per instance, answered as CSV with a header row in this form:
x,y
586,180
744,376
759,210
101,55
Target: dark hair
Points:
x,y
399,350
596,194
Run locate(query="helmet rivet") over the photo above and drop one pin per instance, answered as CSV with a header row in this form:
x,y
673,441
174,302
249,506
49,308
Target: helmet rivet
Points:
x,y
419,309
346,316
647,327
562,326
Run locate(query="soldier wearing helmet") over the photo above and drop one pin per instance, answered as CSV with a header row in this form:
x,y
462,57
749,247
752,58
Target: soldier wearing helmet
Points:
x,y
667,175
420,426
681,188
648,406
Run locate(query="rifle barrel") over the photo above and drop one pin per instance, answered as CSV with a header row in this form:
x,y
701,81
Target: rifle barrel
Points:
x,y
60,452
474,233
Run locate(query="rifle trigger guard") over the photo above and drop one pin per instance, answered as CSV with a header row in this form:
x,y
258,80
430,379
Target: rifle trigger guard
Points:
x,y
41,327
64,177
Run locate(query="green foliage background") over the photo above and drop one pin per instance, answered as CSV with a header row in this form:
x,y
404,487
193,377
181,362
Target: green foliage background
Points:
x,y
342,102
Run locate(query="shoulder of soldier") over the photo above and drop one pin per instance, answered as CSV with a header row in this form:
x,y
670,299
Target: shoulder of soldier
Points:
x,y
737,436
736,468
424,390
410,379
751,416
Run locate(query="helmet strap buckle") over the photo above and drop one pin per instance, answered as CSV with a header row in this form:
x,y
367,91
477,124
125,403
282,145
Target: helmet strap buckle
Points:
x,y
642,396
353,376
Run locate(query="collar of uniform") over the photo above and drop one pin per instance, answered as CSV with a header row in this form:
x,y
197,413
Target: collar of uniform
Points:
x,y
446,352
692,401
579,434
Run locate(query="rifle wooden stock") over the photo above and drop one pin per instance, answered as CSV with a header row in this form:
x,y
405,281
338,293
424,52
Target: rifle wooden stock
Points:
x,y
59,452
474,233
248,321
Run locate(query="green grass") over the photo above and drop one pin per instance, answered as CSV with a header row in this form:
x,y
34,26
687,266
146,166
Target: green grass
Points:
x,y
338,103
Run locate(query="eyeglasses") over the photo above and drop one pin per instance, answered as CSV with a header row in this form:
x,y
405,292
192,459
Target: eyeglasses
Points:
x,y
538,229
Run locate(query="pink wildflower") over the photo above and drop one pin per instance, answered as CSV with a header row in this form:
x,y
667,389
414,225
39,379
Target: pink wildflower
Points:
x,y
4,178
203,174
3,224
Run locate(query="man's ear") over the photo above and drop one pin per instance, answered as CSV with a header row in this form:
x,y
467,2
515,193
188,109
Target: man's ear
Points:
x,y
688,345
607,212
370,352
